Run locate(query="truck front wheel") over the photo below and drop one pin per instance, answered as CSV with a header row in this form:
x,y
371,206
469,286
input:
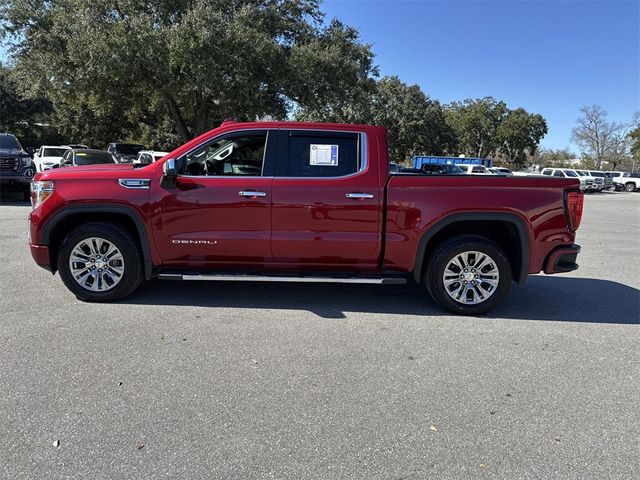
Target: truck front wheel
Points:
x,y
630,187
468,274
100,262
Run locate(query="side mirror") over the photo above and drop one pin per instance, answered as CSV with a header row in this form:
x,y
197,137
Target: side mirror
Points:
x,y
169,174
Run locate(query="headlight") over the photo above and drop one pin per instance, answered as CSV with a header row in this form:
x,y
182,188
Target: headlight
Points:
x,y
40,191
26,162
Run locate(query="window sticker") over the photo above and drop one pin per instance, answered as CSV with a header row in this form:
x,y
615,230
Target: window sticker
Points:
x,y
323,155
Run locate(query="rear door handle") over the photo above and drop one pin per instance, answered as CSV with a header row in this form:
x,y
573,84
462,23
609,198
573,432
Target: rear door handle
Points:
x,y
359,195
251,193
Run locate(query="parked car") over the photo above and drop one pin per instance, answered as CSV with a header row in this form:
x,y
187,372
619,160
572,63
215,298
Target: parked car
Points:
x,y
49,156
585,185
618,187
626,180
125,152
145,157
291,202
499,171
474,169
77,157
597,183
606,179
16,166
441,169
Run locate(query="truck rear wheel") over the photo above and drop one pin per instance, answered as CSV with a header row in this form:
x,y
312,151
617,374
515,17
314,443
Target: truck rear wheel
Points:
x,y
468,274
100,262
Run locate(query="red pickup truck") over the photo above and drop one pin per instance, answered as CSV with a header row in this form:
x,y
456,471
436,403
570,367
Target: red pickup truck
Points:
x,y
310,202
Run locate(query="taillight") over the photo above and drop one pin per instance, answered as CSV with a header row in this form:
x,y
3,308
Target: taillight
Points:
x,y
574,200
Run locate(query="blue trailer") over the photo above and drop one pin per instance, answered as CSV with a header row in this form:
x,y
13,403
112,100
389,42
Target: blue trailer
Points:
x,y
420,160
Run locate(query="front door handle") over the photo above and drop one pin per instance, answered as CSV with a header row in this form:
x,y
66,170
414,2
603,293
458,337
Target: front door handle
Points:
x,y
251,193
359,195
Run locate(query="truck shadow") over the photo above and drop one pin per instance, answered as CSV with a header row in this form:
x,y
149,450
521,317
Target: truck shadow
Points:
x,y
562,299
13,199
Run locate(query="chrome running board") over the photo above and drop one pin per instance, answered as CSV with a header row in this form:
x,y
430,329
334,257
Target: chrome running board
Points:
x,y
226,277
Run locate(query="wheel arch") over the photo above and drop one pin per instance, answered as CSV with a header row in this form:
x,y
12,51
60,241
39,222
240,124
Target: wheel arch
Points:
x,y
501,227
70,217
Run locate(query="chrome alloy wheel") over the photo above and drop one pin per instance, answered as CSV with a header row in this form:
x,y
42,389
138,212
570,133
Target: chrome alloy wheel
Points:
x,y
471,277
96,264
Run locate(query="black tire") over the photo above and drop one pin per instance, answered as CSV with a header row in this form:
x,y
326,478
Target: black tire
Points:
x,y
446,252
132,275
630,187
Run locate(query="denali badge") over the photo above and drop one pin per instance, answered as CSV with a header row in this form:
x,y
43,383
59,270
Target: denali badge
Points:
x,y
201,242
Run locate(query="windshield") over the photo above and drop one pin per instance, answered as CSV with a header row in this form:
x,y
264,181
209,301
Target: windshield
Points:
x,y
54,152
9,142
597,174
128,148
93,158
570,173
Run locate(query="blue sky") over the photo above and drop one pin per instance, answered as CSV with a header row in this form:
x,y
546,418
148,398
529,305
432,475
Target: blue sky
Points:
x,y
550,57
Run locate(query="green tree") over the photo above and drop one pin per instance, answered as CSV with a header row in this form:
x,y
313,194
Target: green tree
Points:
x,y
557,158
476,124
519,135
27,118
414,122
634,138
117,64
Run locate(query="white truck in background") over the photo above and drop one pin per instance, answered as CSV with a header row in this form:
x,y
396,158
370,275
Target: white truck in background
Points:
x,y
629,181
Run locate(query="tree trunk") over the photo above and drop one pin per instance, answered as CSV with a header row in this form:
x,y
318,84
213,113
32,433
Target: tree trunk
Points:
x,y
174,110
202,116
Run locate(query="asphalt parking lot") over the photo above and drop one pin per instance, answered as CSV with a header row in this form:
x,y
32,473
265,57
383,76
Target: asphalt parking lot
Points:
x,y
255,381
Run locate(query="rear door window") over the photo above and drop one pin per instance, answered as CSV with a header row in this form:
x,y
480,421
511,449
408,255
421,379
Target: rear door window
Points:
x,y
321,154
558,173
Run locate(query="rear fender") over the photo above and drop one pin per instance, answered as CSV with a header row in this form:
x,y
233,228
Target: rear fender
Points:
x,y
516,221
